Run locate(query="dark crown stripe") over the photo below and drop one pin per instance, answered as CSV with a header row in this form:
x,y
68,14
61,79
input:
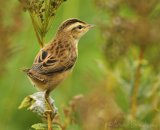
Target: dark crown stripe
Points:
x,y
70,22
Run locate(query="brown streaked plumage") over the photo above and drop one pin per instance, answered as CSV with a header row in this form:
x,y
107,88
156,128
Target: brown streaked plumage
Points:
x,y
55,61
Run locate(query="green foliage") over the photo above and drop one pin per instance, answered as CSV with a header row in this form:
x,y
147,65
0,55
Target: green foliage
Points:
x,y
40,126
37,103
26,103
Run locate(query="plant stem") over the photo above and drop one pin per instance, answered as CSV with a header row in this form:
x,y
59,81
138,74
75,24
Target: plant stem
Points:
x,y
35,30
49,109
49,120
136,84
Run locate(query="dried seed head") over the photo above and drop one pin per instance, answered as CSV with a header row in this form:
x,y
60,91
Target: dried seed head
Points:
x,y
42,13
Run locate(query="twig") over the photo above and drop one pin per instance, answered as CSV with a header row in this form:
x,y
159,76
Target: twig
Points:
x,y
49,120
50,111
136,84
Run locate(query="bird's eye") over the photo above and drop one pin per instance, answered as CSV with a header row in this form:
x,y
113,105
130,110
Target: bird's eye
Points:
x,y
80,27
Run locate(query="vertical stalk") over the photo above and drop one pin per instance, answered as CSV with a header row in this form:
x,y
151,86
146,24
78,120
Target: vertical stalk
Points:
x,y
136,84
49,120
50,110
36,31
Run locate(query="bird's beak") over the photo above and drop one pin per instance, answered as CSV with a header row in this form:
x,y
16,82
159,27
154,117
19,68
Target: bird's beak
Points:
x,y
90,26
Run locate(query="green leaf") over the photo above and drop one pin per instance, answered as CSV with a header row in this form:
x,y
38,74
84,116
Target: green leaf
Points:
x,y
41,126
27,102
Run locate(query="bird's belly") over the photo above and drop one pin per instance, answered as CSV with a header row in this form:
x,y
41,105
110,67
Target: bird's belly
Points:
x,y
57,79
51,81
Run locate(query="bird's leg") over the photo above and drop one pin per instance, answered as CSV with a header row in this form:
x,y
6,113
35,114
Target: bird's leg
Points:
x,y
49,105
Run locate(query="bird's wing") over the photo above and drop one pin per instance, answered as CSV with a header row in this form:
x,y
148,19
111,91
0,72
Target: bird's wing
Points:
x,y
49,63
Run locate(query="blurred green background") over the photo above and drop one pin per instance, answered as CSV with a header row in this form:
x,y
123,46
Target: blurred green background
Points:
x,y
117,69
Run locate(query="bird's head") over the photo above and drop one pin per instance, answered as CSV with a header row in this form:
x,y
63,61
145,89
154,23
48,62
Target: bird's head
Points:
x,y
74,28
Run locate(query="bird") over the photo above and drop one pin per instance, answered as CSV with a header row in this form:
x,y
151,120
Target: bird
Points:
x,y
56,60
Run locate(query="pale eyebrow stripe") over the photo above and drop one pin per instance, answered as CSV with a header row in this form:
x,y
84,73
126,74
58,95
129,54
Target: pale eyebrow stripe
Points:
x,y
70,22
74,25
